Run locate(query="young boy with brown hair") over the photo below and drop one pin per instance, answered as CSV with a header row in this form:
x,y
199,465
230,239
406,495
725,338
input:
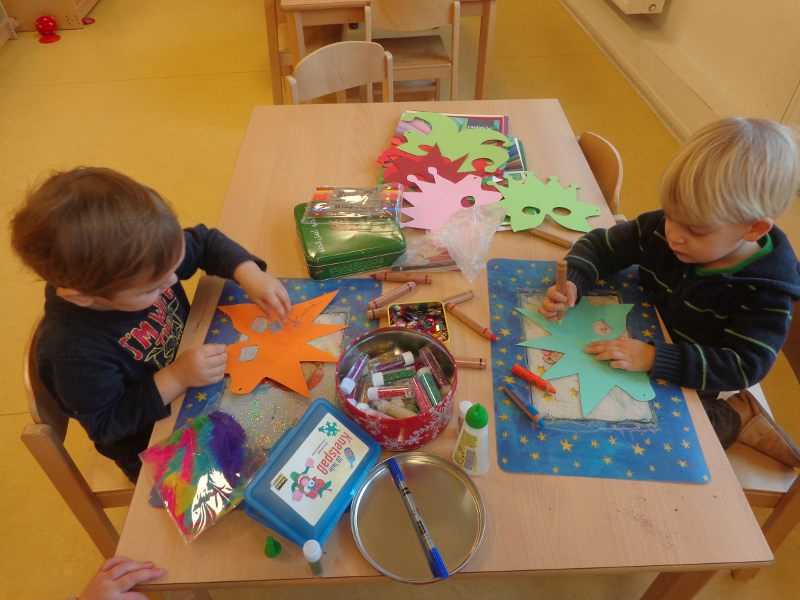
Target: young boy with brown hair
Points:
x,y
112,254
723,277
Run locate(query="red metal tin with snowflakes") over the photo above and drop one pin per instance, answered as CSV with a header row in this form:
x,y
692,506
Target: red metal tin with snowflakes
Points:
x,y
404,433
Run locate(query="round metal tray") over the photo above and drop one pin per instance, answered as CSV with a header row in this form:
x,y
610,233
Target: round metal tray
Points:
x,y
448,501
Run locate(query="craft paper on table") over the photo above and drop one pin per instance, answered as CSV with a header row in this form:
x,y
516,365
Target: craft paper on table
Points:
x,y
621,437
455,142
271,409
528,201
437,201
583,324
276,354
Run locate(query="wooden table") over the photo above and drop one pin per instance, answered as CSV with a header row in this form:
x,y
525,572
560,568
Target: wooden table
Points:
x,y
302,13
536,523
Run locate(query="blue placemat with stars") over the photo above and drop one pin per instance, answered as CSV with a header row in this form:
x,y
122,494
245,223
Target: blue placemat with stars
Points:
x,y
270,409
621,438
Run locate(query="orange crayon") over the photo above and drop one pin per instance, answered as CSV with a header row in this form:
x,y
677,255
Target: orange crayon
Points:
x,y
470,322
402,277
533,378
384,300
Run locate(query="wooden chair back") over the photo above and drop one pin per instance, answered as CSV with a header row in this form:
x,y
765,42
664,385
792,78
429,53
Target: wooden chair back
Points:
x,y
342,66
45,441
418,57
606,165
766,482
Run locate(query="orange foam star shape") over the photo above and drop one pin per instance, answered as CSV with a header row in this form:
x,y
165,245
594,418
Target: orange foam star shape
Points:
x,y
279,353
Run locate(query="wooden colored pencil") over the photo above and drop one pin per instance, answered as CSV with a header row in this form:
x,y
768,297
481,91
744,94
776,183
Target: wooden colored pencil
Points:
x,y
553,238
470,322
376,313
470,363
458,298
561,284
418,278
393,294
514,395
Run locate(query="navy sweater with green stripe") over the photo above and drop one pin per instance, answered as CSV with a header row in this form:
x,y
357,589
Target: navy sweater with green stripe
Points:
x,y
726,328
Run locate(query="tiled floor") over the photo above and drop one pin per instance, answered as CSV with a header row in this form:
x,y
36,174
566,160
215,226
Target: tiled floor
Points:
x,y
162,91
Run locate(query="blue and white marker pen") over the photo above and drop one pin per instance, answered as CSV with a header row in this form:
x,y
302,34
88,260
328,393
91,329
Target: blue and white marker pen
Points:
x,y
438,567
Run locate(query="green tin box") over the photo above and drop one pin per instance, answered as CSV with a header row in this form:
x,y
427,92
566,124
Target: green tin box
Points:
x,y
332,250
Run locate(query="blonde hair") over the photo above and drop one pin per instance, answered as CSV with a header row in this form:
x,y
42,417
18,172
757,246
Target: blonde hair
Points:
x,y
96,231
735,170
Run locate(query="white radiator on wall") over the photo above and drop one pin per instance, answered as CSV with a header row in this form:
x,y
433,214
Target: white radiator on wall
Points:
x,y
638,7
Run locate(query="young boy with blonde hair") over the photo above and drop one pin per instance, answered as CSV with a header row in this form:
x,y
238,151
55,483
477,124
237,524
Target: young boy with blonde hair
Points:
x,y
723,277
112,254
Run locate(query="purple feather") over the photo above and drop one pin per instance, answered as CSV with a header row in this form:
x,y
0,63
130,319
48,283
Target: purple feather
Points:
x,y
227,445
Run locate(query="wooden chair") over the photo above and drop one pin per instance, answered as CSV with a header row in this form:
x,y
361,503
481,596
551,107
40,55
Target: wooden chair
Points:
x,y
418,57
768,483
606,165
339,67
45,439
279,42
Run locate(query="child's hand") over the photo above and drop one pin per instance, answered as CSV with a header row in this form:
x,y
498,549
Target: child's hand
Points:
x,y
194,368
624,353
264,289
118,575
555,301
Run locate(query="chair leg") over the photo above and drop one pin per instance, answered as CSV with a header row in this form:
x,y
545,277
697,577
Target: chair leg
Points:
x,y
437,90
780,523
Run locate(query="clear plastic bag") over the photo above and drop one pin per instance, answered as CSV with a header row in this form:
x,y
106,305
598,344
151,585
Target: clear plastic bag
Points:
x,y
468,234
357,203
200,470
424,254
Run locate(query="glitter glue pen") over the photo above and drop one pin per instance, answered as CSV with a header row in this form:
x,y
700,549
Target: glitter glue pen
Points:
x,y
437,565
393,361
386,298
312,552
385,393
419,395
428,383
394,411
386,377
348,382
428,358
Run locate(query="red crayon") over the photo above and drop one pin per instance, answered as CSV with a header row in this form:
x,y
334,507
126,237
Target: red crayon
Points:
x,y
540,383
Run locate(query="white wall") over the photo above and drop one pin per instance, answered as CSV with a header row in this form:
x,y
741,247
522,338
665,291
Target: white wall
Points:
x,y
702,59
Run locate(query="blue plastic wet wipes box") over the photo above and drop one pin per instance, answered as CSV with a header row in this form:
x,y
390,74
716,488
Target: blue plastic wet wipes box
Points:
x,y
312,474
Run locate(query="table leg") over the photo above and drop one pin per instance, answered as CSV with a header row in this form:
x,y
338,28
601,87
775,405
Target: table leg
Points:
x,y
273,50
677,586
488,15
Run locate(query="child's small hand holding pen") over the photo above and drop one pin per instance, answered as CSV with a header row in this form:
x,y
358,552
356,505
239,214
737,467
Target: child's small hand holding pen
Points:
x,y
555,301
264,289
624,353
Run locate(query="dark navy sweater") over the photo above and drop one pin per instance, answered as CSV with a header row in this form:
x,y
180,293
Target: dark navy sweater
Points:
x,y
99,365
727,327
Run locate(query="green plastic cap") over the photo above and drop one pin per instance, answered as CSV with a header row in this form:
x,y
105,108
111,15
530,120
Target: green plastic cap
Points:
x,y
476,416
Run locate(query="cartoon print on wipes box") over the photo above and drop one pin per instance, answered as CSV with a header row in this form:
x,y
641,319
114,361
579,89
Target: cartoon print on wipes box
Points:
x,y
305,485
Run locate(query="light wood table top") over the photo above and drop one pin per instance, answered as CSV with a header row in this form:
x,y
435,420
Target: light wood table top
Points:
x,y
535,523
303,13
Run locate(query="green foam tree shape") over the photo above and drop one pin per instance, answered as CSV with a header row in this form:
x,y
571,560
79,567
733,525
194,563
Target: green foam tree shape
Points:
x,y
576,330
528,201
455,143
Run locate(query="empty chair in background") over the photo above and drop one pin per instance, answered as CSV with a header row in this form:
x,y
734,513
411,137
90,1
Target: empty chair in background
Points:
x,y
418,57
338,67
606,165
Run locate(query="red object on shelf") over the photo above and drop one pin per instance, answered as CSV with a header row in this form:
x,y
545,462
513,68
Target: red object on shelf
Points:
x,y
47,26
